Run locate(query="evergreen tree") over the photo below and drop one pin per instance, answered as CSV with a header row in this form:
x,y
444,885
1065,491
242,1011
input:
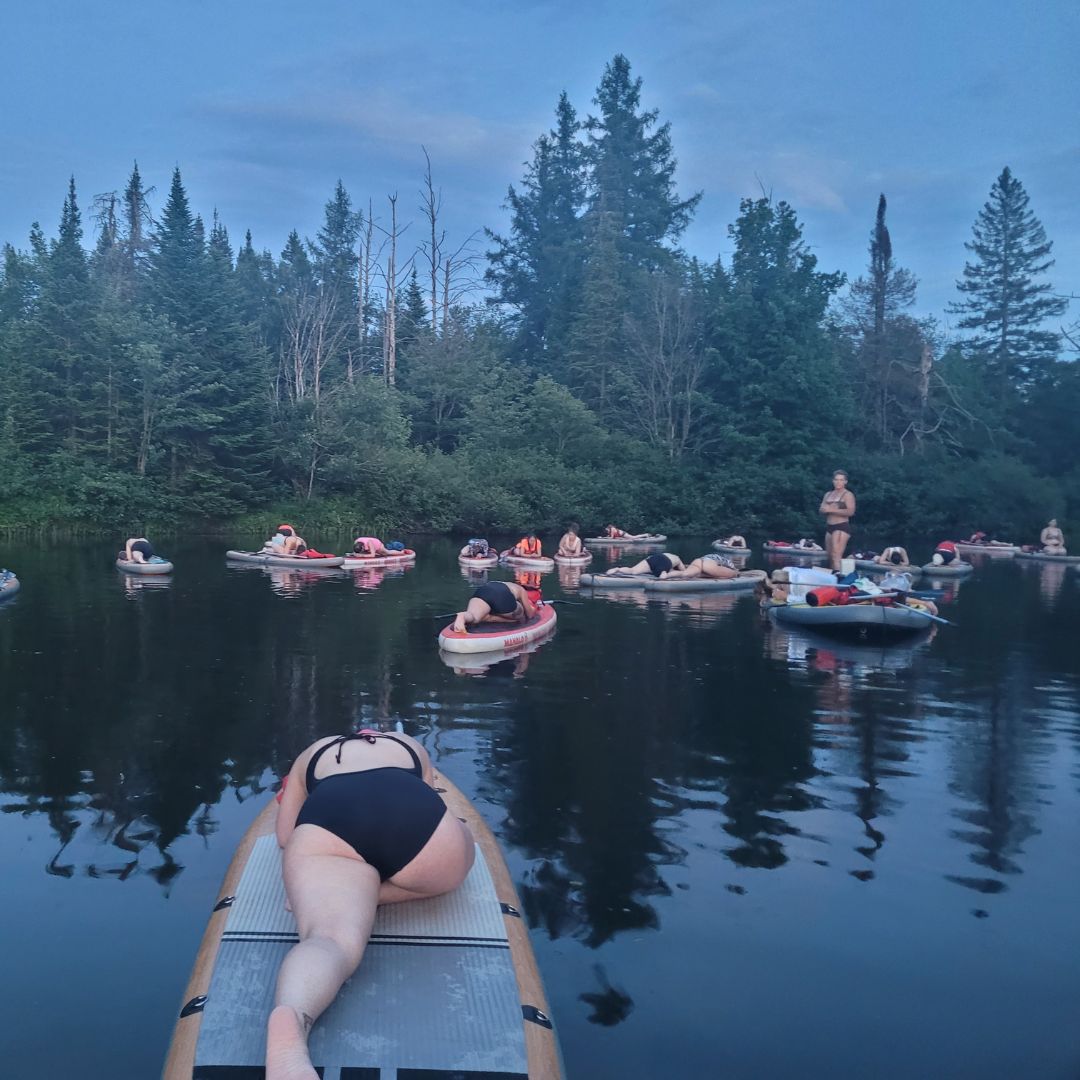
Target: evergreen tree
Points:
x,y
632,171
773,372
1004,301
537,269
177,277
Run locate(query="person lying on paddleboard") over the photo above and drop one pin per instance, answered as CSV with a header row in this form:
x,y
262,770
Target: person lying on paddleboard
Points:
x,y
138,549
807,545
498,602
570,545
657,565
360,825
945,553
528,547
371,547
713,565
614,533
734,540
286,542
893,556
477,548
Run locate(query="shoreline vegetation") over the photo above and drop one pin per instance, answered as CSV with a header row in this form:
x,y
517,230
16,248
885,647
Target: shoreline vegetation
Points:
x,y
579,367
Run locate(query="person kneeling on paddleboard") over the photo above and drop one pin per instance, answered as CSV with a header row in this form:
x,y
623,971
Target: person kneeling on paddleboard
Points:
x,y
359,827
570,545
498,601
477,548
945,553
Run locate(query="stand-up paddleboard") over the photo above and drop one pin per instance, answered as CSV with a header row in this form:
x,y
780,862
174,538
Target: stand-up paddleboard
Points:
x,y
1001,551
804,554
747,579
262,558
869,566
729,549
529,562
448,987
485,562
1041,556
9,584
484,637
954,569
626,541
574,560
156,565
615,581
363,562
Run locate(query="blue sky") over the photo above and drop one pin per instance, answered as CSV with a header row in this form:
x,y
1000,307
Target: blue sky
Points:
x,y
264,105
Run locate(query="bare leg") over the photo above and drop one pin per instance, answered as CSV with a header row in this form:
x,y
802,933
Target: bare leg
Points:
x,y
333,897
476,610
630,571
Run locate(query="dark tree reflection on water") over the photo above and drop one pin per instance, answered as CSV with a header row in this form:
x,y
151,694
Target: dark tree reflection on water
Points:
x,y
653,764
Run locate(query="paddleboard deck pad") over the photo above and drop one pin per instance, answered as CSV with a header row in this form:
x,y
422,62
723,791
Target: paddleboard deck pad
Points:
x,y
448,987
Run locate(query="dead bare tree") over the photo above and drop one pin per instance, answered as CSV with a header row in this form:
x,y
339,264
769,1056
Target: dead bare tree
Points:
x,y
667,365
390,306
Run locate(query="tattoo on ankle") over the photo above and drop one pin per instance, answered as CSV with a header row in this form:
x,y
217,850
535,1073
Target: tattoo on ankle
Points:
x,y
307,1022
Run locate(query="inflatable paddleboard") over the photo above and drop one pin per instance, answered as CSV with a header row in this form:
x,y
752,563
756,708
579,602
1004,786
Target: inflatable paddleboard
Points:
x,y
448,987
485,562
529,562
489,636
362,562
728,549
263,558
9,585
654,538
747,579
795,553
872,567
156,565
1041,556
999,550
574,560
615,581
954,569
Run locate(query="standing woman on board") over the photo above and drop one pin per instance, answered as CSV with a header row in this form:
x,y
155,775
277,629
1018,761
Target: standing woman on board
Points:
x,y
360,826
838,506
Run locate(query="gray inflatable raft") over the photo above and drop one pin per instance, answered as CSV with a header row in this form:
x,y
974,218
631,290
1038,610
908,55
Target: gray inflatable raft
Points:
x,y
262,558
448,986
746,580
894,617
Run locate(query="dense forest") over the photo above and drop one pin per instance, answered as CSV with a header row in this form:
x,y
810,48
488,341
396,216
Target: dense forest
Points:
x,y
580,365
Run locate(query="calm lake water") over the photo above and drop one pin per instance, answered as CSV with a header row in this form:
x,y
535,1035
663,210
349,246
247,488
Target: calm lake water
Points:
x,y
743,852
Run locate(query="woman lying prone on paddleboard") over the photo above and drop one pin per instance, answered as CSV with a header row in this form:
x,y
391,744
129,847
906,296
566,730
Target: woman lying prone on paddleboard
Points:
x,y
658,565
360,825
498,601
713,566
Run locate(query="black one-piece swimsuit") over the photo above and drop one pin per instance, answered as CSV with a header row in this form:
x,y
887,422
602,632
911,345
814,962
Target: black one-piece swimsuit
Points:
x,y
386,815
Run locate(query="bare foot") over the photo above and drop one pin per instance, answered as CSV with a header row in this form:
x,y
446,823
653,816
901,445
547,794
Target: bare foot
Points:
x,y
286,1048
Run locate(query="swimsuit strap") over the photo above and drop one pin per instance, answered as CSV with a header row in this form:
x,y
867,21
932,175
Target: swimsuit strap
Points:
x,y
368,736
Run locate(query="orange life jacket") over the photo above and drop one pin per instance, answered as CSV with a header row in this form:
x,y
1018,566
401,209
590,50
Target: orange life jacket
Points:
x,y
528,547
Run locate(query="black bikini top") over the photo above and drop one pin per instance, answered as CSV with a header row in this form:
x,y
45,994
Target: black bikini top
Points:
x,y
367,736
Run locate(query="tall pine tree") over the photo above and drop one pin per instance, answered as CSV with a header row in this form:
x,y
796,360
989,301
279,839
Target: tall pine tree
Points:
x,y
1005,300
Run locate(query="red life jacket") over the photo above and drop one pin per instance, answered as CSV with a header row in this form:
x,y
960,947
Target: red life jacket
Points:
x,y
947,545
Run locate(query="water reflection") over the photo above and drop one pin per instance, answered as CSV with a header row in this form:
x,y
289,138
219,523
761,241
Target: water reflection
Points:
x,y
136,584
663,754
